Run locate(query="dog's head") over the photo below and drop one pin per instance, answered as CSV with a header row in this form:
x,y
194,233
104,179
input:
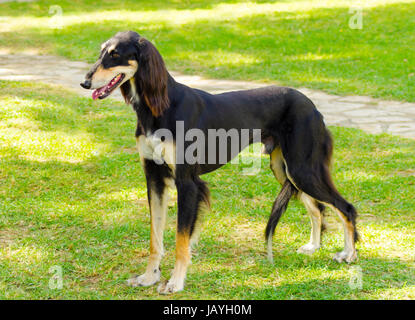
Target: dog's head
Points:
x,y
131,63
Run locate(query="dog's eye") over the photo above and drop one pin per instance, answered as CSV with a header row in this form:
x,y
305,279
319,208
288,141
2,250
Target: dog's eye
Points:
x,y
114,54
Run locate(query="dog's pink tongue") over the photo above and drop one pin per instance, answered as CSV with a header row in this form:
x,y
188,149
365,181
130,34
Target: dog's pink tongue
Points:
x,y
95,94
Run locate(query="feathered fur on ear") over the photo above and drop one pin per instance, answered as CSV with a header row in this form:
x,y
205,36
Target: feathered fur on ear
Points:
x,y
126,92
152,78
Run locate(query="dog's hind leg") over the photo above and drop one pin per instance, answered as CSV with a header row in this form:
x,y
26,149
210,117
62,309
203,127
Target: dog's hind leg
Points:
x,y
158,180
316,224
192,194
314,208
318,185
281,202
309,171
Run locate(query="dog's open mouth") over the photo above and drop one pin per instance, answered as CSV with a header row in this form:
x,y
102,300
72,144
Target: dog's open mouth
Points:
x,y
106,90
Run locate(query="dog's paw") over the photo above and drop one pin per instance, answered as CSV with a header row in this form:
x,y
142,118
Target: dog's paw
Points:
x,y
308,248
170,287
145,280
345,256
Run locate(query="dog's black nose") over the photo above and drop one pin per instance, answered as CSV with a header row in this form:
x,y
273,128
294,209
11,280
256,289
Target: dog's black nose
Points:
x,y
86,84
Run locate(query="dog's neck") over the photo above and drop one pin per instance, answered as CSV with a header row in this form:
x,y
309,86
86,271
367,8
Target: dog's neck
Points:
x,y
132,93
146,121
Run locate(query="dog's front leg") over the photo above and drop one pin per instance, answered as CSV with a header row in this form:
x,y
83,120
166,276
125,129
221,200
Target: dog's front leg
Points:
x,y
188,202
157,192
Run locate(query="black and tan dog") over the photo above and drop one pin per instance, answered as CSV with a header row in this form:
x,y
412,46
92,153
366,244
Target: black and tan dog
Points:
x,y
292,131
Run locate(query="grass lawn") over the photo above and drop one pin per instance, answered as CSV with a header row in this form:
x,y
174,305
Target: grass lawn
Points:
x,y
296,43
72,194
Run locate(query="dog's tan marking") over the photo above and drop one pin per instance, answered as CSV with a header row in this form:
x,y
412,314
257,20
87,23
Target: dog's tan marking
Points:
x,y
112,48
315,217
349,253
277,165
133,63
134,94
140,144
158,211
176,282
103,76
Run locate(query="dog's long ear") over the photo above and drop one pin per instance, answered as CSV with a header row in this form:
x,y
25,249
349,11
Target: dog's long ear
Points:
x,y
126,92
152,78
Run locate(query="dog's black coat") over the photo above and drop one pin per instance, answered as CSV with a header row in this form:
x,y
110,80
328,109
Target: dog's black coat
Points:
x,y
287,119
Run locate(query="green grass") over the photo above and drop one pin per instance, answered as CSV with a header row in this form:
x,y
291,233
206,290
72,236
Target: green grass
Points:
x,y
73,194
296,43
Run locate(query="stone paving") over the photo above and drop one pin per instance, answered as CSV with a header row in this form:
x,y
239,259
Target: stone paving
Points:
x,y
366,113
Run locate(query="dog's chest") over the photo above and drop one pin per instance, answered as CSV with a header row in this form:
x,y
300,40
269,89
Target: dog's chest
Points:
x,y
153,148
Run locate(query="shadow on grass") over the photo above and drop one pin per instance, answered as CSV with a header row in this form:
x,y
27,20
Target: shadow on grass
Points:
x,y
377,276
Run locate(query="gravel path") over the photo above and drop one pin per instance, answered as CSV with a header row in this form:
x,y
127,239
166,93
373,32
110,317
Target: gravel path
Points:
x,y
368,114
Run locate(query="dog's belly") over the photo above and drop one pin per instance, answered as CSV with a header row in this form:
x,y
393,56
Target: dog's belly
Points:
x,y
206,168
216,158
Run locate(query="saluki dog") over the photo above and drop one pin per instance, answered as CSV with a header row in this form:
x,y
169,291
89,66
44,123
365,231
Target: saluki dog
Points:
x,y
292,132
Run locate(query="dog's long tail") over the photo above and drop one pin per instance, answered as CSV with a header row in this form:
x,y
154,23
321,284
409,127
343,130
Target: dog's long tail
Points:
x,y
279,207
